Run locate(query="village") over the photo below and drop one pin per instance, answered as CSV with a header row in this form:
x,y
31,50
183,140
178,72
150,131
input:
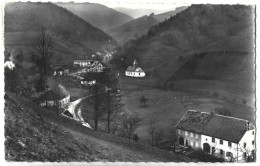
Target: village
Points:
x,y
195,130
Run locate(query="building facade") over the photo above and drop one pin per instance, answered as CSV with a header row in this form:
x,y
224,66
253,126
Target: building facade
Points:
x,y
134,71
225,137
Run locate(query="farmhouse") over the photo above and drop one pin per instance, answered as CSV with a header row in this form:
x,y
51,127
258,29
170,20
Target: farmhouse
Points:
x,y
227,137
134,71
83,63
60,98
59,70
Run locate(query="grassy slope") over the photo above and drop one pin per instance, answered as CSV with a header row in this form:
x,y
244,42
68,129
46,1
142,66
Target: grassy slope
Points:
x,y
73,34
167,107
98,15
61,139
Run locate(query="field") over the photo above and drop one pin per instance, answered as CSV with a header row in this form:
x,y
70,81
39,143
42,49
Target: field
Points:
x,y
167,107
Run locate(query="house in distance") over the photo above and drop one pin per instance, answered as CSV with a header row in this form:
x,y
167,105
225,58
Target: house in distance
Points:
x,y
225,137
134,71
59,98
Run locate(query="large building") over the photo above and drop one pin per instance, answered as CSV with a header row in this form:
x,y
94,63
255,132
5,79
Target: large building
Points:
x,y
134,71
227,137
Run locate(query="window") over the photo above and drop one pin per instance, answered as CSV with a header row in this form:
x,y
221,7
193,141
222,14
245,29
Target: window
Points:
x,y
253,132
221,142
221,152
197,144
191,134
186,133
213,150
197,136
229,144
244,145
213,140
191,143
253,142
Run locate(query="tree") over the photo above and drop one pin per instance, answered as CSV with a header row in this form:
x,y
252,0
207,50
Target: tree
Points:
x,y
152,127
42,53
143,100
129,124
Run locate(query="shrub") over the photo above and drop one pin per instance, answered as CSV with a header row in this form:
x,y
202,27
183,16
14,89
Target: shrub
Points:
x,y
135,138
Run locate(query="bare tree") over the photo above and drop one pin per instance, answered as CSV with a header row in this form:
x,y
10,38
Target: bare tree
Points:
x,y
129,124
42,53
152,127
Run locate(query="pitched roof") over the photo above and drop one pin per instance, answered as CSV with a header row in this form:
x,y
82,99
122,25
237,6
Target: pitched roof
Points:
x,y
133,69
130,68
218,126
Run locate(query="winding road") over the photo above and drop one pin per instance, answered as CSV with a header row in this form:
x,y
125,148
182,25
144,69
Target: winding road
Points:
x,y
77,112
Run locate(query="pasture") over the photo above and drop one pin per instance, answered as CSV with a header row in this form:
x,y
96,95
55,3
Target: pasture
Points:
x,y
166,107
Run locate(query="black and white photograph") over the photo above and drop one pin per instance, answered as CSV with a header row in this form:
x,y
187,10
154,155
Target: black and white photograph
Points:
x,y
121,81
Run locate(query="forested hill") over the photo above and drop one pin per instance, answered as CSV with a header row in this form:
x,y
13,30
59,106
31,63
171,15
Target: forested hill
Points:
x,y
98,15
140,26
22,18
163,50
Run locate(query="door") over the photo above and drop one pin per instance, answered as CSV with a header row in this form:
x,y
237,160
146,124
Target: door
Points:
x,y
206,147
181,141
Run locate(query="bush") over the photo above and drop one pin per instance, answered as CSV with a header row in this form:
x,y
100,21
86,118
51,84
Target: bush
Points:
x,y
135,138
201,156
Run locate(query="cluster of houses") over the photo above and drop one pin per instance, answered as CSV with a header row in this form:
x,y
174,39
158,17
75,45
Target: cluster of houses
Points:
x,y
79,68
226,137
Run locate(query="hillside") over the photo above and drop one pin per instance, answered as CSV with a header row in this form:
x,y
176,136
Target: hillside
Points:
x,y
168,45
98,15
140,26
132,29
62,139
73,34
161,17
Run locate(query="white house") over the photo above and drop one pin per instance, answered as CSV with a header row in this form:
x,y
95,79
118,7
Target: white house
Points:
x,y
222,136
134,71
83,63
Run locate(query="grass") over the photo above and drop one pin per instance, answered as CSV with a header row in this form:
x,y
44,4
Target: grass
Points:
x,y
62,139
167,107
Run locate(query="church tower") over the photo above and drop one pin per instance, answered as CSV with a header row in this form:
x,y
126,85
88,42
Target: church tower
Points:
x,y
135,63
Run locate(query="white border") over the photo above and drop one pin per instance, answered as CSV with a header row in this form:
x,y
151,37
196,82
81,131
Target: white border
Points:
x,y
138,3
